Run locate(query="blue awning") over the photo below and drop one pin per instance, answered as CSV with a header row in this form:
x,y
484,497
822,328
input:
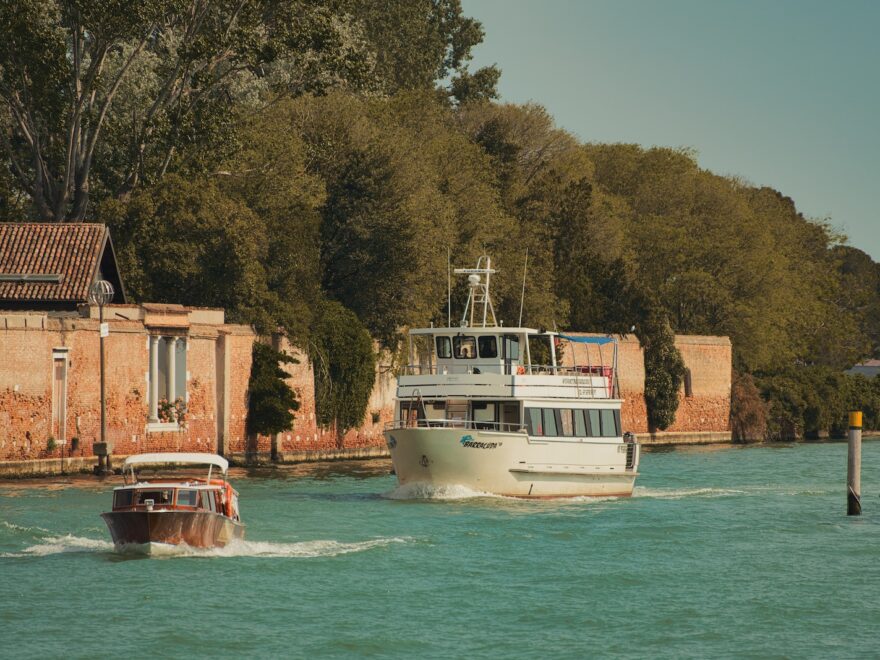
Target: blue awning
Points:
x,y
588,340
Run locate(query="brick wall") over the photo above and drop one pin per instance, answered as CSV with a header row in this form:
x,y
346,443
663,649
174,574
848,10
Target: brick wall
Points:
x,y
307,436
219,362
709,362
26,385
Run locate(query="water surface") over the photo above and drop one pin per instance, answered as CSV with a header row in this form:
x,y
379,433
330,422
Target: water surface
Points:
x,y
726,551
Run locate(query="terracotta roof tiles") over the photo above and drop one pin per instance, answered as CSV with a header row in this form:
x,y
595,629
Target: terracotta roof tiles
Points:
x,y
71,251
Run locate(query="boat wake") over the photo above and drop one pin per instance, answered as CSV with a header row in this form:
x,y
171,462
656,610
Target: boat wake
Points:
x,y
238,548
422,491
679,493
53,545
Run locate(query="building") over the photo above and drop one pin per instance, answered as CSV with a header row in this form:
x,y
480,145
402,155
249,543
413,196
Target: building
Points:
x,y
176,377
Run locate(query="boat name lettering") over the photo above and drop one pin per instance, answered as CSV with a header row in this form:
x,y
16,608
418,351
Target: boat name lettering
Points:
x,y
468,441
569,381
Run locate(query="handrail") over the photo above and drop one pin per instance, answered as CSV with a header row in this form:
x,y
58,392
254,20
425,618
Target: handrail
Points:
x,y
533,370
500,427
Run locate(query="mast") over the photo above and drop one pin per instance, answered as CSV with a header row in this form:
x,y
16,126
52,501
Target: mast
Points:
x,y
478,294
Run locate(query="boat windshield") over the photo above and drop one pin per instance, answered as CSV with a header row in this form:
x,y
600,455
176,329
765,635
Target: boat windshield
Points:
x,y
187,497
122,498
159,497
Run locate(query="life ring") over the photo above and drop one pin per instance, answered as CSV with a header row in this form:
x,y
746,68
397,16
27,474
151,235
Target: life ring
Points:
x,y
520,370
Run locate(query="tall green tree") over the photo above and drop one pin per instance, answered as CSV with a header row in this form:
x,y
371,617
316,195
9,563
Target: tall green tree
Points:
x,y
176,64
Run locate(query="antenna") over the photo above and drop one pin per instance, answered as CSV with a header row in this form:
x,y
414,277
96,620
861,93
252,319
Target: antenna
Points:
x,y
522,299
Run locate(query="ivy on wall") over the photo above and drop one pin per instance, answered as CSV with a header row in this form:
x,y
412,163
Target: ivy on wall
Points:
x,y
345,367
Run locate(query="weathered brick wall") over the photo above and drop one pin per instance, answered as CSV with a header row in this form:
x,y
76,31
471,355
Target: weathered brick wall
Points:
x,y
709,361
26,362
219,362
307,435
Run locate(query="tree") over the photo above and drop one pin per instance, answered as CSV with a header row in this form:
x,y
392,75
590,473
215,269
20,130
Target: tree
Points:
x,y
64,63
419,42
664,370
271,401
186,242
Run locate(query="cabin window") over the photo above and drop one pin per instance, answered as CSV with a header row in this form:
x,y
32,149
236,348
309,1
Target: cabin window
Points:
x,y
533,421
444,348
550,426
566,422
609,423
511,347
580,426
595,428
158,496
122,498
208,500
484,415
187,497
488,346
464,348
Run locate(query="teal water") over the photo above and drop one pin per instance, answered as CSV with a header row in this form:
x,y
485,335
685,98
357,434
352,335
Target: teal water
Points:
x,y
721,552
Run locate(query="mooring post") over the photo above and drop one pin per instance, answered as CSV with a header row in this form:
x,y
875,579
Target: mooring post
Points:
x,y
854,466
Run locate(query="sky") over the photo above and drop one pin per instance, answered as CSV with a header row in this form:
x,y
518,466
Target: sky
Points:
x,y
780,93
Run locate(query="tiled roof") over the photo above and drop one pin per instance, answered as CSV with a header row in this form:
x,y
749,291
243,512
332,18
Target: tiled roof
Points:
x,y
71,251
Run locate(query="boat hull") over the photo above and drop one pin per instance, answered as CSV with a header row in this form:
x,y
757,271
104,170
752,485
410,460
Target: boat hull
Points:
x,y
198,529
512,464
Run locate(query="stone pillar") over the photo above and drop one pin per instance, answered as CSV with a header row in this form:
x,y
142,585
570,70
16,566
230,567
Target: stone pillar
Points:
x,y
170,346
154,378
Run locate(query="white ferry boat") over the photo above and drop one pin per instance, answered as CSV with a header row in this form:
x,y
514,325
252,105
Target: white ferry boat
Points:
x,y
472,409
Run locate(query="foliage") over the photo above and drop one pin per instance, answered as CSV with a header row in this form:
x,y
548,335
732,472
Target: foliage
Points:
x,y
345,367
127,91
184,241
748,412
51,444
664,370
811,401
271,401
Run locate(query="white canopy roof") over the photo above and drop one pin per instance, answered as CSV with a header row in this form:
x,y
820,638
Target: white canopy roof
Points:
x,y
170,457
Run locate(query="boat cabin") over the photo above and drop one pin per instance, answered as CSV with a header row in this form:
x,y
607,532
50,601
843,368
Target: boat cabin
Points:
x,y
197,495
468,350
181,494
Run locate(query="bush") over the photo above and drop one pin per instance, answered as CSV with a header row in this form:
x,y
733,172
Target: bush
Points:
x,y
748,412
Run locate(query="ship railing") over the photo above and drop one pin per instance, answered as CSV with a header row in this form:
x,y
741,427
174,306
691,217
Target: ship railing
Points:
x,y
475,425
519,370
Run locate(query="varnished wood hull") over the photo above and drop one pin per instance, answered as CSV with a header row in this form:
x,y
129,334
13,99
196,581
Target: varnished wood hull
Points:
x,y
198,529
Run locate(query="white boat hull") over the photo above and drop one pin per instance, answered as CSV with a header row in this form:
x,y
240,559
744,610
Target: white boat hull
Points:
x,y
512,464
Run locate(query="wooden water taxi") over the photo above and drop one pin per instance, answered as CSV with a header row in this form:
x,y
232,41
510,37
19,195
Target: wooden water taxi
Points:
x,y
198,512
